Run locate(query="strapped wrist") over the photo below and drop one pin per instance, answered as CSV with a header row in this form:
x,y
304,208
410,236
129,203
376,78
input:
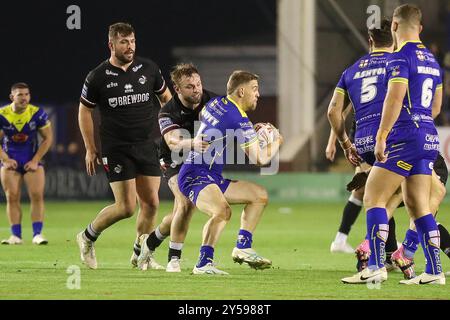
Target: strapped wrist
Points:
x,y
349,147
344,143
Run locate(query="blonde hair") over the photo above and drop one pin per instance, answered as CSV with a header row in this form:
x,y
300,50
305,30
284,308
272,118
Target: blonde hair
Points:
x,y
180,70
409,13
239,78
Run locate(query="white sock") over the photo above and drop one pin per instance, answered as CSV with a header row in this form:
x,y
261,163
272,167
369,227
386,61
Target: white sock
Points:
x,y
159,235
355,201
341,237
176,245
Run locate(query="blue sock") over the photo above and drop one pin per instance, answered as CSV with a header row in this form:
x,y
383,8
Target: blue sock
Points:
x,y
206,255
16,229
244,240
411,243
378,230
37,227
430,239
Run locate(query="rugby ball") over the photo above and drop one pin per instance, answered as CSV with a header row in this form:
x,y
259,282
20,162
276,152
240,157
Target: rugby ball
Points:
x,y
266,132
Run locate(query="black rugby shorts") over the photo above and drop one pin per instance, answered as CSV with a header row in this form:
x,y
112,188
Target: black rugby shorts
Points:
x,y
126,162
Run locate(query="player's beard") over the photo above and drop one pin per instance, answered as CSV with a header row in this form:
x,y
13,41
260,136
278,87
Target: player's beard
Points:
x,y
194,100
21,106
123,58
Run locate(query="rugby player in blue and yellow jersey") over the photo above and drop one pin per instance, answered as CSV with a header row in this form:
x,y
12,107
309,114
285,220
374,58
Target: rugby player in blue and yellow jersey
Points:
x,y
406,147
20,155
363,85
224,119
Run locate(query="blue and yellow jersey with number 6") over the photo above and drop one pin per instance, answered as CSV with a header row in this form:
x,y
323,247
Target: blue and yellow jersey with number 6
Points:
x,y
414,65
20,130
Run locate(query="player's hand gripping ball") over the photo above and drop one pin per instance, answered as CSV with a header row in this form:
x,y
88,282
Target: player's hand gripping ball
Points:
x,y
267,133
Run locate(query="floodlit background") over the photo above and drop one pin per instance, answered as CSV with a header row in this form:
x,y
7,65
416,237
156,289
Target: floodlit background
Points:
x,y
298,47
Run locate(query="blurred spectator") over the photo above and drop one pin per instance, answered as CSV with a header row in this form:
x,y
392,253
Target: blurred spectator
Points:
x,y
73,156
447,20
442,118
62,157
446,97
55,155
436,51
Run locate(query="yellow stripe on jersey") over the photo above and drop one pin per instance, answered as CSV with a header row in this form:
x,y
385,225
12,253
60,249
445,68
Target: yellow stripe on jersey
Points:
x,y
379,51
406,42
46,125
403,165
398,80
341,91
439,86
248,144
238,107
18,119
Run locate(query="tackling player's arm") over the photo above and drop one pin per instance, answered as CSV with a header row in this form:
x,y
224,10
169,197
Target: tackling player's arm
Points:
x,y
86,123
7,162
391,111
177,142
175,138
46,134
262,156
437,102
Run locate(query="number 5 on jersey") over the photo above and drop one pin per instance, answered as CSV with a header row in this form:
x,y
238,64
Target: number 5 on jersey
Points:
x,y
368,89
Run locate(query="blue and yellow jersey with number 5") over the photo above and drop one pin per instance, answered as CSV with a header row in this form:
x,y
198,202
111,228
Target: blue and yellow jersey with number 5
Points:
x,y
20,130
364,84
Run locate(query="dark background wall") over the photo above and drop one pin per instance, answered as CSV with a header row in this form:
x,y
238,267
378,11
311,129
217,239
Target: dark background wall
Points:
x,y
38,48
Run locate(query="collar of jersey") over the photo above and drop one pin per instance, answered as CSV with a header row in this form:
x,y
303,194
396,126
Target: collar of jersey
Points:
x,y
243,113
19,120
118,68
380,51
405,43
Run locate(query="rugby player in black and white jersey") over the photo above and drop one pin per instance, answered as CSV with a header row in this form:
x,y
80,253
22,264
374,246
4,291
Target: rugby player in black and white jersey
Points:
x,y
123,88
177,125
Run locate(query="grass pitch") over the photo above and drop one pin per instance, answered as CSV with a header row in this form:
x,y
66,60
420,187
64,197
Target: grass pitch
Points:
x,y
296,237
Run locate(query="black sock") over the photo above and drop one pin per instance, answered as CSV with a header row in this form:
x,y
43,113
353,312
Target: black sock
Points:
x,y
90,233
351,212
137,249
445,240
153,242
174,253
391,242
